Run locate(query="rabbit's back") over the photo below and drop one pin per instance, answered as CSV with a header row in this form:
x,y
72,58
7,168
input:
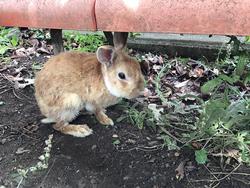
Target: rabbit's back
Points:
x,y
70,72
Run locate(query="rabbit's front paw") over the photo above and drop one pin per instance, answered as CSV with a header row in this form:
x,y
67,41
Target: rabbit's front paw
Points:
x,y
104,119
74,130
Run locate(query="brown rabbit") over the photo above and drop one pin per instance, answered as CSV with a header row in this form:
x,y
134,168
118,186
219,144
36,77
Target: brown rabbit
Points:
x,y
72,81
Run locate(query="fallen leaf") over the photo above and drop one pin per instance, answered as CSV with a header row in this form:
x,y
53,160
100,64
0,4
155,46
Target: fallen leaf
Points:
x,y
33,42
181,84
157,67
180,172
23,85
196,73
20,53
44,48
196,145
21,150
180,69
115,136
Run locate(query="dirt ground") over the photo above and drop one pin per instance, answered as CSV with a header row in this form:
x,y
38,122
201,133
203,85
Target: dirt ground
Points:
x,y
138,161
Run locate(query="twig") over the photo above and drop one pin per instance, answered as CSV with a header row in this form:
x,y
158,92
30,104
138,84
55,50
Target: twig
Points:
x,y
207,142
242,181
145,148
20,182
172,136
234,173
3,87
22,133
5,91
13,90
210,172
226,176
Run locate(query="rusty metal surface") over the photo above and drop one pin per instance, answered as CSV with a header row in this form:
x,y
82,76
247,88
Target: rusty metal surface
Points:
x,y
175,16
66,14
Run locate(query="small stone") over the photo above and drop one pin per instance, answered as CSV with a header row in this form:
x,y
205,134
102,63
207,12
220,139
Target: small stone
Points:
x,y
3,141
176,154
126,178
167,165
21,151
93,147
115,136
93,181
130,141
152,160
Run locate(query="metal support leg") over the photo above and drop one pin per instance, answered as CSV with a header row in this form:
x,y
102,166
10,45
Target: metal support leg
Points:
x,y
57,41
109,37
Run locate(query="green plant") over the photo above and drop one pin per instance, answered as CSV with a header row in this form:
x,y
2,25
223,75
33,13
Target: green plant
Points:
x,y
138,115
36,66
158,85
134,34
201,156
240,66
8,39
82,42
43,163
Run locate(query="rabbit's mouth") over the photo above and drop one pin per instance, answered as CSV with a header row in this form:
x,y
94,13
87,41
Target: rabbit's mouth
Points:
x,y
139,93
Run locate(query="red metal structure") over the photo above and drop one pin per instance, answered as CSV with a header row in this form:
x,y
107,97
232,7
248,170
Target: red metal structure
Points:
x,y
54,14
224,17
227,17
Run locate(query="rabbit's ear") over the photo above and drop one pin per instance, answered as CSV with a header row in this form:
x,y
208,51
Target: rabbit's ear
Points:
x,y
120,40
105,55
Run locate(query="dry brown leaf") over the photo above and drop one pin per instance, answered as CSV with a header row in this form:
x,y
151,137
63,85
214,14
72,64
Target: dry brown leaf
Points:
x,y
21,150
181,84
180,69
33,42
23,85
180,171
196,73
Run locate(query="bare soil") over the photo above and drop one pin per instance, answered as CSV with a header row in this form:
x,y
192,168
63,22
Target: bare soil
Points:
x,y
138,161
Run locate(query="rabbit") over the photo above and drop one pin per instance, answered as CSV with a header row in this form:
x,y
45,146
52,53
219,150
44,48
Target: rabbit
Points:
x,y
72,81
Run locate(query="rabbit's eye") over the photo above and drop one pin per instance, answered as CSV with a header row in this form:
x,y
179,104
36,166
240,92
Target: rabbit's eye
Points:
x,y
121,75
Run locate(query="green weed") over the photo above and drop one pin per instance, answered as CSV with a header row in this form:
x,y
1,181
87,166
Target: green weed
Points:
x,y
216,126
82,42
9,39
